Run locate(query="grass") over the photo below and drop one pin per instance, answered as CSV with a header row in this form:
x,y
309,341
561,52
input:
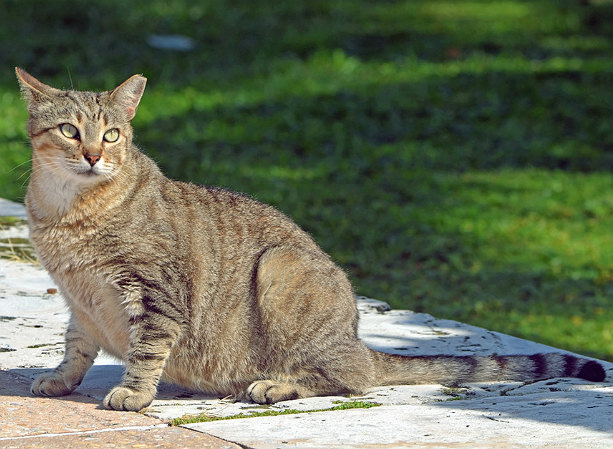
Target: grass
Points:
x,y
455,393
42,345
14,248
190,419
454,156
17,249
11,221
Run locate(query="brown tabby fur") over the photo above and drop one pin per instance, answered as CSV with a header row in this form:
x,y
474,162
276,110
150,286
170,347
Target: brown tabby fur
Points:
x,y
200,286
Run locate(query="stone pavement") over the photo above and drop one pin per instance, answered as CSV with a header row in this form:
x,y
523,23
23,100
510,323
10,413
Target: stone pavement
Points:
x,y
560,413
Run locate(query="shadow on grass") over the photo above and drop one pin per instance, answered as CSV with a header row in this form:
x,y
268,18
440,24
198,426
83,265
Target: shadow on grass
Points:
x,y
95,41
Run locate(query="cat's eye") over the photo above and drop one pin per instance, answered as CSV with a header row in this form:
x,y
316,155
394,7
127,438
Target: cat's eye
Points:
x,y
111,135
69,131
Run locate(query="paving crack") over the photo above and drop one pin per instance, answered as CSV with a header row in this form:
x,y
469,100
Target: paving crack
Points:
x,y
86,432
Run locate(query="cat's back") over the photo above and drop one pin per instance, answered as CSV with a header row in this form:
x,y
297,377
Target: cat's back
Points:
x,y
229,223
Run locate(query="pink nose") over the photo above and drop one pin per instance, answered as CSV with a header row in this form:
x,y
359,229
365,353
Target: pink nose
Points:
x,y
92,158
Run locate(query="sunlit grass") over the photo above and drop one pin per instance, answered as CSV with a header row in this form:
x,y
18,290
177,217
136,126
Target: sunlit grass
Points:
x,y
454,157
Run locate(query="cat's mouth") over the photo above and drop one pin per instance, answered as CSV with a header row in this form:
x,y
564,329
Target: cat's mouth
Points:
x,y
88,171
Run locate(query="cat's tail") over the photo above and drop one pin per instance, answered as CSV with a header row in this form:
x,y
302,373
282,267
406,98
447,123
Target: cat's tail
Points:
x,y
453,370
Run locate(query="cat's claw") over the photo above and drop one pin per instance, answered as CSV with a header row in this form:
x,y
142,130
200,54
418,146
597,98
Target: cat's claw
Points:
x,y
122,398
50,384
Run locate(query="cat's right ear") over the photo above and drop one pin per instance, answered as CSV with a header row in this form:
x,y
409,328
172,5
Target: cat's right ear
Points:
x,y
32,89
128,94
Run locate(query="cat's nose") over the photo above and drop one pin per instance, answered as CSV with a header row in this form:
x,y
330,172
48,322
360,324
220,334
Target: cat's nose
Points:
x,y
92,158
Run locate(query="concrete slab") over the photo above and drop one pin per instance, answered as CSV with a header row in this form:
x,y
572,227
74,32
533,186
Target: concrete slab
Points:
x,y
139,437
24,415
473,424
79,421
12,209
553,413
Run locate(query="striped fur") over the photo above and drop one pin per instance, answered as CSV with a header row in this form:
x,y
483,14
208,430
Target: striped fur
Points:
x,y
454,370
200,286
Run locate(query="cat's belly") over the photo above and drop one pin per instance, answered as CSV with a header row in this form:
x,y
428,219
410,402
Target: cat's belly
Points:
x,y
200,377
99,313
223,366
179,374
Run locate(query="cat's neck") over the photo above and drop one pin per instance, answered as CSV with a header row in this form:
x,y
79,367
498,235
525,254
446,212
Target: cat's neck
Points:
x,y
54,196
51,196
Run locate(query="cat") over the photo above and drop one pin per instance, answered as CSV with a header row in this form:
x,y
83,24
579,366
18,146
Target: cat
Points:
x,y
200,286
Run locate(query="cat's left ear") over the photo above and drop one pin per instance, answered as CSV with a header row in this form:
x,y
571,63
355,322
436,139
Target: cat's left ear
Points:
x,y
128,94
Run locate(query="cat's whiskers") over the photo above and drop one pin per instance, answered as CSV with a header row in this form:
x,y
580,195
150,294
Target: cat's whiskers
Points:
x,y
19,165
27,179
26,172
48,164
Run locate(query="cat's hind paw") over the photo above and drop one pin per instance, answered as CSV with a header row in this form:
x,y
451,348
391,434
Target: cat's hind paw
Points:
x,y
270,391
122,398
51,384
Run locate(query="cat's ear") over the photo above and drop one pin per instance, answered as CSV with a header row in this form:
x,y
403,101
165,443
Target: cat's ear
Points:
x,y
31,88
128,94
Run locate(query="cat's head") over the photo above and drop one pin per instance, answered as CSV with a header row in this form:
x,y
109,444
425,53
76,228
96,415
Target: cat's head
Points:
x,y
82,136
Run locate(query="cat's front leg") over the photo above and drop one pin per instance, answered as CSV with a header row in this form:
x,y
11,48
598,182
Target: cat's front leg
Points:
x,y
152,335
78,359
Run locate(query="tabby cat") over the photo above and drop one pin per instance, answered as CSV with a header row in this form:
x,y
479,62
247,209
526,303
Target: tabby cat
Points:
x,y
200,286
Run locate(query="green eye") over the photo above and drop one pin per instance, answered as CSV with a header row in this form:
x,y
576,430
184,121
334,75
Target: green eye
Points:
x,y
111,135
69,131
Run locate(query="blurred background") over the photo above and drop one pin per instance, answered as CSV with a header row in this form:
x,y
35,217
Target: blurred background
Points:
x,y
454,157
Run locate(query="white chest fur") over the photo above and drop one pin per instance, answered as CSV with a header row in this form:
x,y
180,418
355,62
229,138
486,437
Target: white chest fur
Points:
x,y
99,310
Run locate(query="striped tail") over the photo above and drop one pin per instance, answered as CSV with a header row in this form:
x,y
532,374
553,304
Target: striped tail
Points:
x,y
453,370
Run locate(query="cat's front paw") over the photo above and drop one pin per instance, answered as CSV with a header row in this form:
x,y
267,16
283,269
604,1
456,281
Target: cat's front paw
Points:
x,y
51,384
122,398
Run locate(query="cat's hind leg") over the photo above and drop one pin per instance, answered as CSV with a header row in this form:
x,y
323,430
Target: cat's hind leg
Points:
x,y
346,369
78,359
308,321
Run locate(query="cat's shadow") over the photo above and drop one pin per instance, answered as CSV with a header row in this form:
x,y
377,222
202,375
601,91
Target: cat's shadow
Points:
x,y
97,383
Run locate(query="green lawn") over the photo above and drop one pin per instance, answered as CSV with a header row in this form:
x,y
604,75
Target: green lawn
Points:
x,y
455,157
